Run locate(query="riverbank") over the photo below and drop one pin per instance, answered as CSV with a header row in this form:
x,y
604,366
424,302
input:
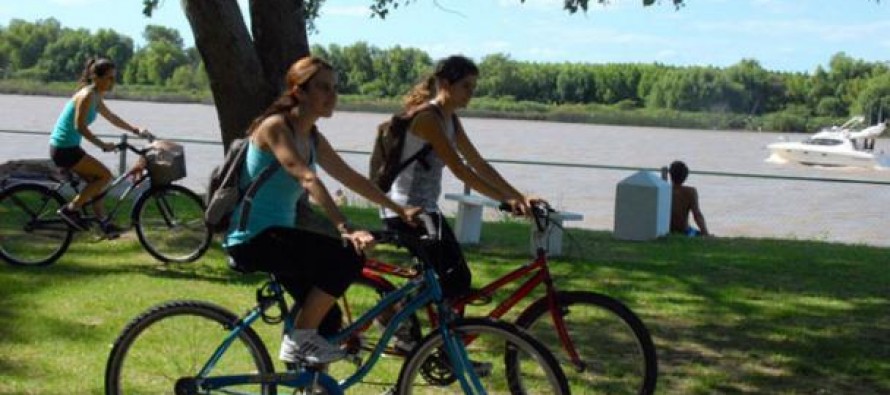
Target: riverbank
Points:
x,y
620,114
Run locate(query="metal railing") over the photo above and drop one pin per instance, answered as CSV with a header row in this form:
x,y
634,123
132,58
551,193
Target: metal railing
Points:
x,y
733,208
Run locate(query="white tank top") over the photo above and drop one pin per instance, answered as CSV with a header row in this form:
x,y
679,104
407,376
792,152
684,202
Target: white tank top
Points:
x,y
419,185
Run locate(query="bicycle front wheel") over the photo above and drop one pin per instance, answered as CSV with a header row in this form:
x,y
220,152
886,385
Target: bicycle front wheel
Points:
x,y
506,360
174,341
31,233
169,221
617,355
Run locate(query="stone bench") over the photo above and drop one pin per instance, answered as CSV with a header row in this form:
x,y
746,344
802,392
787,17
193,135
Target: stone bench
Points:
x,y
468,222
553,243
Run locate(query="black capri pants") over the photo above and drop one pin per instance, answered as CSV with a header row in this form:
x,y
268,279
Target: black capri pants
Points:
x,y
446,256
302,259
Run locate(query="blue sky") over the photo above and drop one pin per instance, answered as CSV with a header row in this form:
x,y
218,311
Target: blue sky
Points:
x,y
786,35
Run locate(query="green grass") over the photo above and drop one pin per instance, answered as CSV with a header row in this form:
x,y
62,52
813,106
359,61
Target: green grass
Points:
x,y
728,315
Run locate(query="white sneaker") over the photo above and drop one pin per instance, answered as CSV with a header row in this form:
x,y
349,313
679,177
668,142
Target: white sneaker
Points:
x,y
306,345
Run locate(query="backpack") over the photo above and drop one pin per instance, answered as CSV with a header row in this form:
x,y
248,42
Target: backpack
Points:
x,y
386,164
224,191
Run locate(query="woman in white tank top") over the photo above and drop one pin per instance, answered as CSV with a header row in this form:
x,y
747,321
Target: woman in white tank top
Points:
x,y
448,89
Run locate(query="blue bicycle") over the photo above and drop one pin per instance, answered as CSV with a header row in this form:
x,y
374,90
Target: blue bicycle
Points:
x,y
195,347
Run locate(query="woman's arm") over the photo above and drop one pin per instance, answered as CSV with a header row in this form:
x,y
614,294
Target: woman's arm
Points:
x,y
428,126
481,166
274,136
114,119
334,165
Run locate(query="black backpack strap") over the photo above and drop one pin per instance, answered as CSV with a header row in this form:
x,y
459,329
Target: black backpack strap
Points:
x,y
420,155
247,199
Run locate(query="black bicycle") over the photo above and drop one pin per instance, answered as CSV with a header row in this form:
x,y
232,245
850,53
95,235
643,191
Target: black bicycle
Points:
x,y
168,218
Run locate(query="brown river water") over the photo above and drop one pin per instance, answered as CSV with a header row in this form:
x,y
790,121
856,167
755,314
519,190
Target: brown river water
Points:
x,y
734,203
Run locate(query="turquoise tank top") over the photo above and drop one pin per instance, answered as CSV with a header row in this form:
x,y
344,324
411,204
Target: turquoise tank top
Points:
x,y
274,203
65,133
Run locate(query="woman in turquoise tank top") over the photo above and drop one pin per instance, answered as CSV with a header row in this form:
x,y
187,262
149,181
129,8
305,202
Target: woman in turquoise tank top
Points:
x,y
73,126
315,268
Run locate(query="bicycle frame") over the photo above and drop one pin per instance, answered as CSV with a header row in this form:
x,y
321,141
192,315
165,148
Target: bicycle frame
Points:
x,y
74,183
537,271
430,293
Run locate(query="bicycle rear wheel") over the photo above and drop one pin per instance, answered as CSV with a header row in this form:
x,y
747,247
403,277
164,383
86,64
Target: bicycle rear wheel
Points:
x,y
616,350
31,233
507,361
175,340
169,221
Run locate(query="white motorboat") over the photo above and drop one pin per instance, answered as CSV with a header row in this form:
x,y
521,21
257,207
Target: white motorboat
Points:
x,y
844,145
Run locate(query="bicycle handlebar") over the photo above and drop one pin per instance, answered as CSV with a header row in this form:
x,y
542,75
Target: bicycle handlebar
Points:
x,y
541,211
138,151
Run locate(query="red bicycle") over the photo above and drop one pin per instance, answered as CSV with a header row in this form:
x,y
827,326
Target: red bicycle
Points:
x,y
603,345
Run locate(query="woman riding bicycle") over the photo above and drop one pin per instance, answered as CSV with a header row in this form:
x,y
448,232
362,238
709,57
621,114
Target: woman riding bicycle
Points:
x,y
72,126
315,268
448,89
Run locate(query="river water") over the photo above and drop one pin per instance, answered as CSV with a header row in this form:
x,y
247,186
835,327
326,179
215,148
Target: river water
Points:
x,y
733,205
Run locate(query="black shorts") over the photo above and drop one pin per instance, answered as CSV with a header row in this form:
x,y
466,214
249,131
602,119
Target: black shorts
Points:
x,y
66,157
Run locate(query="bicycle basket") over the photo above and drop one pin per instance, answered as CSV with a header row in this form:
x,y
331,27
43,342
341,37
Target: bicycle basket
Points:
x,y
166,162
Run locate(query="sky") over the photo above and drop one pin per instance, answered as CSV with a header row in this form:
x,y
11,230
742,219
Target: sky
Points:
x,y
783,35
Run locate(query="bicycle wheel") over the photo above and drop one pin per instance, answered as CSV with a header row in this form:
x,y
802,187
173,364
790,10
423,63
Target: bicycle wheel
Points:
x,y
507,361
169,221
31,233
359,298
175,340
615,348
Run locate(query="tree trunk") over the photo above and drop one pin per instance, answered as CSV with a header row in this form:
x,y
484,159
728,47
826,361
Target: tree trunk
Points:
x,y
246,77
279,34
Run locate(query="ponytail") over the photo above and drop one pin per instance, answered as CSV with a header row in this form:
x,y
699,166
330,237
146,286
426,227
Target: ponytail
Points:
x,y
94,67
282,105
451,69
420,93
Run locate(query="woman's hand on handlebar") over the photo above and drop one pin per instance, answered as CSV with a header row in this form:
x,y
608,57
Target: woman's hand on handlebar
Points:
x,y
144,133
108,147
523,206
409,214
361,240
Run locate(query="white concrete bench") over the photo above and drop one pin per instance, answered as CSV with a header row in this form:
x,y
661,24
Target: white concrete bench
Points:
x,y
468,222
553,243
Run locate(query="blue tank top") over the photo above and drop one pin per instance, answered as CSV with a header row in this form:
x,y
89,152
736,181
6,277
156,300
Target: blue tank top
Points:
x,y
65,133
274,203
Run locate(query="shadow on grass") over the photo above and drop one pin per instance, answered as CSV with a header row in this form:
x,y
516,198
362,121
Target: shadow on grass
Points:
x,y
727,315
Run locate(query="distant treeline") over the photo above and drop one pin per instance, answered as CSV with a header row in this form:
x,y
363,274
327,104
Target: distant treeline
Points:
x,y
742,96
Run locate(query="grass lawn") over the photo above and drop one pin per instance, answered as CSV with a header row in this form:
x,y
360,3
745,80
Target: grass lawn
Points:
x,y
729,316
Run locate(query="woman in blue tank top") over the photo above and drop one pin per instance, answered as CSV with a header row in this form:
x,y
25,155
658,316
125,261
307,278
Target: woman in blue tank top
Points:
x,y
72,127
315,268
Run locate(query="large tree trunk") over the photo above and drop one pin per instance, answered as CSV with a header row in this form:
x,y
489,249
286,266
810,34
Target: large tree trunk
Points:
x,y
279,34
245,77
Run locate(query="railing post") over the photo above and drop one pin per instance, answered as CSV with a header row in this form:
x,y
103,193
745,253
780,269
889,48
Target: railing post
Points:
x,y
122,159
